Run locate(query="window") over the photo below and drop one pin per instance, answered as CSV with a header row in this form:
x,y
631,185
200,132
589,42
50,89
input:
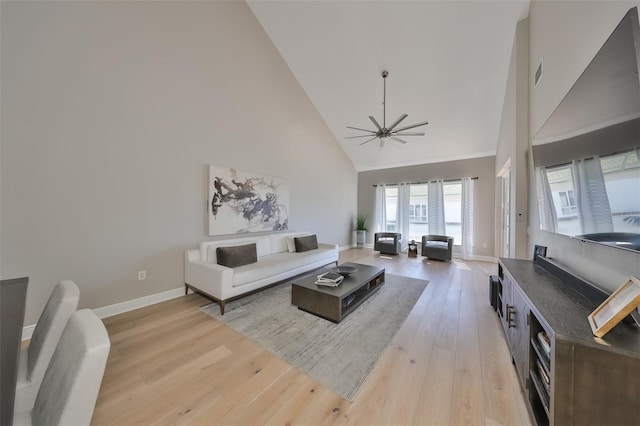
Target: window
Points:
x,y
564,201
621,172
453,210
418,211
391,207
568,202
621,176
419,214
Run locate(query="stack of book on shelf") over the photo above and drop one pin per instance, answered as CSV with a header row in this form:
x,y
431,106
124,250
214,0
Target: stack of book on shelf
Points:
x,y
544,376
329,279
545,342
544,346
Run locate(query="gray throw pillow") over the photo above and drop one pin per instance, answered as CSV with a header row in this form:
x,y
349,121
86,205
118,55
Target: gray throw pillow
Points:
x,y
307,243
237,255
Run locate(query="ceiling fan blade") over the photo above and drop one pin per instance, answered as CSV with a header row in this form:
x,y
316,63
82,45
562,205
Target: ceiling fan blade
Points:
x,y
408,134
375,122
361,136
402,117
424,123
375,137
364,130
397,139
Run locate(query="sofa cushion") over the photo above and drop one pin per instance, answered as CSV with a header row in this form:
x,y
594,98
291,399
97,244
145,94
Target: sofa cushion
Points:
x,y
277,242
208,248
307,243
237,255
283,241
291,244
268,266
279,263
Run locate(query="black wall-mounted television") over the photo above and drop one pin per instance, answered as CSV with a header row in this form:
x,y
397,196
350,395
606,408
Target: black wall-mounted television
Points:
x,y
587,154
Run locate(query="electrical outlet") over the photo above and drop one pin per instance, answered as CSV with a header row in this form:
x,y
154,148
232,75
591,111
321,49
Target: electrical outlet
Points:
x,y
142,275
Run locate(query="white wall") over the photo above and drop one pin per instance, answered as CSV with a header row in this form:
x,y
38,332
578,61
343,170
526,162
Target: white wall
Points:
x,y
513,146
568,35
111,112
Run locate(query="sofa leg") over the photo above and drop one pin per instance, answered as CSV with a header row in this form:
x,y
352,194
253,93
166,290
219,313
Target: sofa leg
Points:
x,y
186,289
221,307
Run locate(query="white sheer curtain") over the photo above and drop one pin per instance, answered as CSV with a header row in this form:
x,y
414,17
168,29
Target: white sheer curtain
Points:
x,y
404,194
591,196
546,208
436,208
467,217
380,219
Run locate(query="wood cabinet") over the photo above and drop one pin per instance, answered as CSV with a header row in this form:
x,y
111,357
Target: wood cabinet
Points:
x,y
514,321
519,333
568,375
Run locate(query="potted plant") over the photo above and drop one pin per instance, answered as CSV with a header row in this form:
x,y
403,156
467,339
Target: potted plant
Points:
x,y
361,230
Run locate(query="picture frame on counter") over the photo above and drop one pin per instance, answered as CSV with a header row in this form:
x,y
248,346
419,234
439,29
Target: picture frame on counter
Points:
x,y
617,306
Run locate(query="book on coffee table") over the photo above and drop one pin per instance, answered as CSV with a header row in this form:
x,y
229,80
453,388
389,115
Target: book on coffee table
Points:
x,y
329,279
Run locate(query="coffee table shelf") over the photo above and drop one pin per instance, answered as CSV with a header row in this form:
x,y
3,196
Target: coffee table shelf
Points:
x,y
335,303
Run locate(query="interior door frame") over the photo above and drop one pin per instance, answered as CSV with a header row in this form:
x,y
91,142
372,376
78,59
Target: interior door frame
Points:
x,y
503,185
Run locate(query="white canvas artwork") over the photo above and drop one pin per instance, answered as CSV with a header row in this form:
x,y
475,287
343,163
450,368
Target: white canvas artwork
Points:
x,y
242,202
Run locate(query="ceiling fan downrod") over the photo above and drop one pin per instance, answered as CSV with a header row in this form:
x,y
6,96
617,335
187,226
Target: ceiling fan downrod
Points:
x,y
384,98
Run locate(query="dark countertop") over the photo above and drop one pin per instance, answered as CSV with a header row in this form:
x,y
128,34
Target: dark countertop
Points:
x,y
564,310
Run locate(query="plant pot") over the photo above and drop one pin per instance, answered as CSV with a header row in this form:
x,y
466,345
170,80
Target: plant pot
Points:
x,y
361,236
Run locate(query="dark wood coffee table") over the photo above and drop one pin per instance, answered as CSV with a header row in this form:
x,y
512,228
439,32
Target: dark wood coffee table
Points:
x,y
335,303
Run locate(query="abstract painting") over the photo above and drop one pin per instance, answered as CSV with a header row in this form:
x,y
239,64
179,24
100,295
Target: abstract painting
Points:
x,y
242,202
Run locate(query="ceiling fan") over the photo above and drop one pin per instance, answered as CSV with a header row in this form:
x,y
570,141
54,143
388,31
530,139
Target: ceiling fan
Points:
x,y
383,132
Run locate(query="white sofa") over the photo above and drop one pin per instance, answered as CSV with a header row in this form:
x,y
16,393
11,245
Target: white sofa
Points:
x,y
276,263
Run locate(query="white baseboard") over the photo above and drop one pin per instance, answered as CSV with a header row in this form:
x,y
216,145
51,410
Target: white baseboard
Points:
x,y
356,246
122,307
130,305
484,258
477,257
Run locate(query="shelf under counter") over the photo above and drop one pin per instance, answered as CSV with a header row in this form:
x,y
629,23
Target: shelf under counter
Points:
x,y
542,354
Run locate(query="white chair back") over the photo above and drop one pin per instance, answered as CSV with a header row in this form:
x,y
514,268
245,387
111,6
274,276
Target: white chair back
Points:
x,y
62,303
34,359
71,383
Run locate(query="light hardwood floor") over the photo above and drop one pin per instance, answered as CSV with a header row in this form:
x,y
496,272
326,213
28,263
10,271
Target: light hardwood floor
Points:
x,y
448,364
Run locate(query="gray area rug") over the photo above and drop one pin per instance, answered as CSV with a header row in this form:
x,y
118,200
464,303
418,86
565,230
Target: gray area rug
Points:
x,y
339,356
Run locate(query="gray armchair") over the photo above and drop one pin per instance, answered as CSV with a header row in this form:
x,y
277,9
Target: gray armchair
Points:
x,y
387,242
437,247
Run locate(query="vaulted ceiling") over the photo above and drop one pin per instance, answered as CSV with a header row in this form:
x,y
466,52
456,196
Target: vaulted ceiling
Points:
x,y
448,64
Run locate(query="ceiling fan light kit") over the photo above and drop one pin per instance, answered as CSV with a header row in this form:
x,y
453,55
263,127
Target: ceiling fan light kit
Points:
x,y
383,132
